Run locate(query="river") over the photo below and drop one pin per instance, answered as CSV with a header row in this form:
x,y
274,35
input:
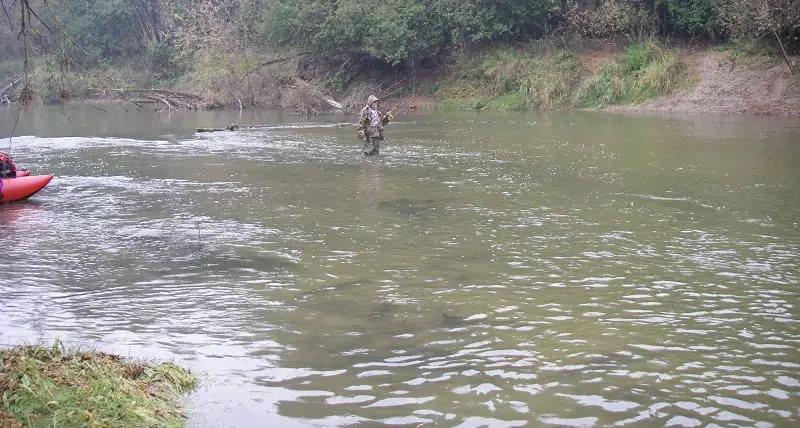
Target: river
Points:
x,y
486,269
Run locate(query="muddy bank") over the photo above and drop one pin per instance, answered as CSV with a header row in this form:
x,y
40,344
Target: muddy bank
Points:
x,y
718,84
714,82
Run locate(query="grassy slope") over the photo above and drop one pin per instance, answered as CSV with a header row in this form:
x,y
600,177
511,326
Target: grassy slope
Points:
x,y
757,84
538,75
42,386
519,79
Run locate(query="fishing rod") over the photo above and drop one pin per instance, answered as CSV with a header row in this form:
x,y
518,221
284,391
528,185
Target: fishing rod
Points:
x,y
388,114
14,129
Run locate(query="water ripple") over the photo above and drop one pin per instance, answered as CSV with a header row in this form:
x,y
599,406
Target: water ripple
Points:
x,y
557,277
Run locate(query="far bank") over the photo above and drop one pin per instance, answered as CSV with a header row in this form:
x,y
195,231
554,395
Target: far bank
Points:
x,y
647,76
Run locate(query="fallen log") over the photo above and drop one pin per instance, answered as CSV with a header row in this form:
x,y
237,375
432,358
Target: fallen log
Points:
x,y
313,100
5,92
248,126
10,85
334,103
231,127
161,92
244,127
173,100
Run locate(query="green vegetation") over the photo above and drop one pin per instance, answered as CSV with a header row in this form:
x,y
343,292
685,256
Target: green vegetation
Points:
x,y
692,18
510,79
525,78
49,386
643,71
397,31
223,49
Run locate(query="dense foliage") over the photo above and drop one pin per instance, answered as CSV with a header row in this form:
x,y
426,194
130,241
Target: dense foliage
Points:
x,y
392,31
101,28
691,18
746,18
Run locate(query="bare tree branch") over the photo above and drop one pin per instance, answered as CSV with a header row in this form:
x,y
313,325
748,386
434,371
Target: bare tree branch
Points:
x,y
32,12
7,8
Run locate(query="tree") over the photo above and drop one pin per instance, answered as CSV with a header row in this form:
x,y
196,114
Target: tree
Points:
x,y
24,18
149,19
759,18
472,21
99,29
690,18
399,31
608,19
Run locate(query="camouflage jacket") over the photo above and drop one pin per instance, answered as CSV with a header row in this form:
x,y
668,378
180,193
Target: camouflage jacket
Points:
x,y
364,121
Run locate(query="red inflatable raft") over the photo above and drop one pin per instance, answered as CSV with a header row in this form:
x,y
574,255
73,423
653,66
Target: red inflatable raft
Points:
x,y
22,187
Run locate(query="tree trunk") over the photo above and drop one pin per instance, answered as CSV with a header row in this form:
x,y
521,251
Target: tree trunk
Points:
x,y
148,17
785,56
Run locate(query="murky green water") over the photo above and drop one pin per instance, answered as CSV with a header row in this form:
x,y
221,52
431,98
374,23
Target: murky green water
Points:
x,y
487,269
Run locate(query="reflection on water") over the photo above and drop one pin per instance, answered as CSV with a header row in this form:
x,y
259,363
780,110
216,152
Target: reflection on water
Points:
x,y
485,270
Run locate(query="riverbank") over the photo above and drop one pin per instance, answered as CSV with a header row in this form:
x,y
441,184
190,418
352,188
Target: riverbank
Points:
x,y
55,387
539,75
720,83
639,77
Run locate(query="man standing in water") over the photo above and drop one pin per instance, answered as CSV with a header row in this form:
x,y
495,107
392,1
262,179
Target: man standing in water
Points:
x,y
370,125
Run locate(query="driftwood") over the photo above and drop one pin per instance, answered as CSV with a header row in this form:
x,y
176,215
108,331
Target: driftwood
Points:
x,y
172,100
241,126
236,127
245,126
312,100
5,91
231,127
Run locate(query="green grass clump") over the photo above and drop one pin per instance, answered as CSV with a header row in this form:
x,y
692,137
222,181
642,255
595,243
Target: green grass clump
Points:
x,y
41,386
514,79
643,71
461,104
511,101
536,82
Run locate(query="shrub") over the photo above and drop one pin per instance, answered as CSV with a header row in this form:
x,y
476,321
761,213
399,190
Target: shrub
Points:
x,y
643,71
612,19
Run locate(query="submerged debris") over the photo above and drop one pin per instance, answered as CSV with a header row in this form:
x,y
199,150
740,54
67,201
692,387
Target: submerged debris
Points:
x,y
231,127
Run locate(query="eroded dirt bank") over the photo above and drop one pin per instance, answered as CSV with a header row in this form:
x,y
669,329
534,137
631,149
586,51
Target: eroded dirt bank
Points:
x,y
755,86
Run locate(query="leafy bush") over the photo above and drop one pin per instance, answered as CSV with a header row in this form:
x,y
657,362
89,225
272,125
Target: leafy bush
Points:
x,y
752,19
391,30
337,81
399,31
636,57
691,18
